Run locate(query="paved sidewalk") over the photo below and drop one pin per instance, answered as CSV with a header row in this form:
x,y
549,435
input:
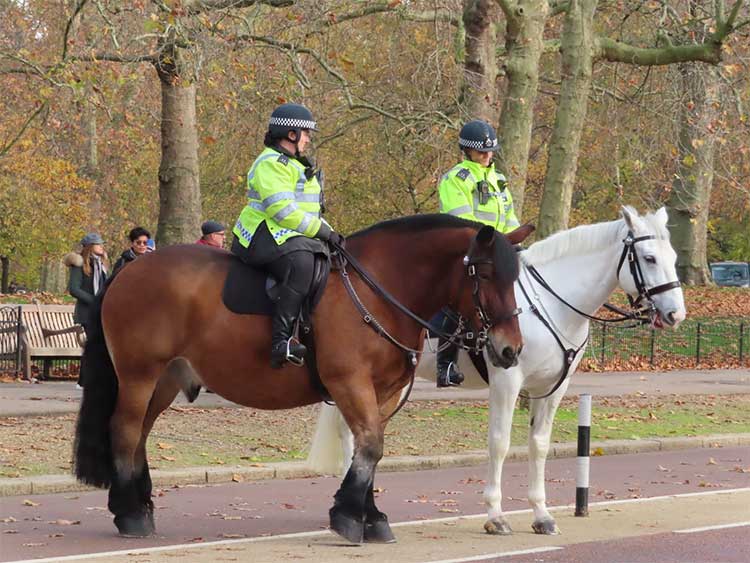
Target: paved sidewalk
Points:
x,y
25,399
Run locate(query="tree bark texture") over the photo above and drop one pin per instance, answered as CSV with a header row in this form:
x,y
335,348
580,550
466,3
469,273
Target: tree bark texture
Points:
x,y
479,92
179,175
524,44
691,188
577,46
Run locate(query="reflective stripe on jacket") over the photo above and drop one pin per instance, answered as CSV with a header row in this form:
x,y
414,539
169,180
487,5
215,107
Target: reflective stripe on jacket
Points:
x,y
459,196
279,193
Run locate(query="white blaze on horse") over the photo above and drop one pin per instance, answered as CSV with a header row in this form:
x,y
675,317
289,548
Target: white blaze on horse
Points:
x,y
582,266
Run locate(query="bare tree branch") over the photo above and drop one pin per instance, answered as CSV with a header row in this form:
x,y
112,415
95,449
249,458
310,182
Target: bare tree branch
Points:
x,y
194,7
20,133
68,26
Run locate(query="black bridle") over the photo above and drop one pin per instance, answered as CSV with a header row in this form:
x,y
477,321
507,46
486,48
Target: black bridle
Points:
x,y
474,343
644,293
463,336
642,307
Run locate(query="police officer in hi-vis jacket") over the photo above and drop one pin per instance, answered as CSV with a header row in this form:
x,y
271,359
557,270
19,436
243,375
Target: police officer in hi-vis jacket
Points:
x,y
281,228
473,190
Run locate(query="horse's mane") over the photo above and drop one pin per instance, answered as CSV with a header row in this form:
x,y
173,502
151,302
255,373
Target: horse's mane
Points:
x,y
586,239
504,253
419,223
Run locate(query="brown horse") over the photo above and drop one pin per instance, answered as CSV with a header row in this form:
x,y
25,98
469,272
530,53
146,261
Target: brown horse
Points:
x,y
161,327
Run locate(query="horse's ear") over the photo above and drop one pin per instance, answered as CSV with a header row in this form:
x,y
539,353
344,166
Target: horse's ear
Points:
x,y
661,216
486,236
630,216
518,235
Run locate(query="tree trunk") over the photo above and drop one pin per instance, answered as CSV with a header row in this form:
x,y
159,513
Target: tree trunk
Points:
x,y
179,178
91,168
479,91
4,279
577,46
524,43
691,188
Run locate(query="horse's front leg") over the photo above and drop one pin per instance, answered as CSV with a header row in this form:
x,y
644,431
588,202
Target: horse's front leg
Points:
x,y
348,514
542,413
504,388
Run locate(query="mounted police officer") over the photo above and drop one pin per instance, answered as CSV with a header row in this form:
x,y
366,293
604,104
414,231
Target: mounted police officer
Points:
x,y
473,190
281,228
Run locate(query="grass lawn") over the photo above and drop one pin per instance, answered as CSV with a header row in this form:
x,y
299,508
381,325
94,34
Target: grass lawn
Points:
x,y
185,437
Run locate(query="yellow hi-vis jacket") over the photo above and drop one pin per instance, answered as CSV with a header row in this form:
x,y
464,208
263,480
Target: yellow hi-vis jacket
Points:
x,y
461,195
279,193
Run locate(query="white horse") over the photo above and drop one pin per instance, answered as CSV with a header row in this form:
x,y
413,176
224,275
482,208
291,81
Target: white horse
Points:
x,y
583,266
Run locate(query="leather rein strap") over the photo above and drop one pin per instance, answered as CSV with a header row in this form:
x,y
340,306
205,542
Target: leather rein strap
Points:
x,y
641,312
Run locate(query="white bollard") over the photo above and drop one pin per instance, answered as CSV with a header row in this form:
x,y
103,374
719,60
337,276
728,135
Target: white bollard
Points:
x,y
584,447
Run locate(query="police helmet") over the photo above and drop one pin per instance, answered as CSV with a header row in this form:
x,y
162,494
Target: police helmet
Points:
x,y
478,135
290,117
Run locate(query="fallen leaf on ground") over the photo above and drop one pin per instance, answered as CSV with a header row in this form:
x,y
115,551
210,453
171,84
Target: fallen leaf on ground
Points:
x,y
28,502
64,522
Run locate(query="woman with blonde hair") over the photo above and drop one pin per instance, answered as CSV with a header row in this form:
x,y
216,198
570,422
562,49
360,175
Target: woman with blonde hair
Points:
x,y
88,272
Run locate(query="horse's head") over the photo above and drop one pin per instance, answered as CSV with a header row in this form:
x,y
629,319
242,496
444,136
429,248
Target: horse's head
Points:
x,y
646,271
492,266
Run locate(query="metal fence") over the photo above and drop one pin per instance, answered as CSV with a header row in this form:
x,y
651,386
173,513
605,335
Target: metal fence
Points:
x,y
721,342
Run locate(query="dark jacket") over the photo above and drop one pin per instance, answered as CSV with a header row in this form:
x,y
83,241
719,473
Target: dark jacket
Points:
x,y
125,257
81,287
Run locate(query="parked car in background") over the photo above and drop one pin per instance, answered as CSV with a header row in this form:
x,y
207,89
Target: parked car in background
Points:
x,y
734,274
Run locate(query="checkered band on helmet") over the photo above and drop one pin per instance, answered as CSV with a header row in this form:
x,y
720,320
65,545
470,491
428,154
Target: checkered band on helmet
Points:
x,y
290,117
292,123
478,135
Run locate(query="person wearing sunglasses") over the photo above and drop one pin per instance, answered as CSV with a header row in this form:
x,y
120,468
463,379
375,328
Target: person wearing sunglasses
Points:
x,y
139,238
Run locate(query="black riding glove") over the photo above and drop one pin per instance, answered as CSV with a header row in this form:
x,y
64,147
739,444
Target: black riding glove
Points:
x,y
336,240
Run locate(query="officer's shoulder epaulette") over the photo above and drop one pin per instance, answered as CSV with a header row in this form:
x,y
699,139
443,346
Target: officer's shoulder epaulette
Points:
x,y
283,159
463,173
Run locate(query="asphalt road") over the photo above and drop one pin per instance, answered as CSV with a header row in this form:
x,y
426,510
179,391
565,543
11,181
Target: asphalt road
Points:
x,y
432,511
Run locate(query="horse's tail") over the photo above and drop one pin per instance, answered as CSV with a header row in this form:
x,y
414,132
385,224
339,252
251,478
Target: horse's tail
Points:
x,y
327,449
92,452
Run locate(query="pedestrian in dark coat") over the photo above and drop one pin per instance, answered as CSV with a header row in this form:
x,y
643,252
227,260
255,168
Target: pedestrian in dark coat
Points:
x,y
139,238
88,272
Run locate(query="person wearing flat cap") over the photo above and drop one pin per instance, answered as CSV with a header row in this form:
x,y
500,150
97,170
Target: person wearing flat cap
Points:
x,y
213,234
88,272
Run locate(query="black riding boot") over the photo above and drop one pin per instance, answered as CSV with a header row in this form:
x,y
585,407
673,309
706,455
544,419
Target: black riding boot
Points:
x,y
283,346
447,369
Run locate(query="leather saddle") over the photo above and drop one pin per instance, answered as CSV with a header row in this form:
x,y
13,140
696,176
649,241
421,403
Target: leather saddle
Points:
x,y
253,291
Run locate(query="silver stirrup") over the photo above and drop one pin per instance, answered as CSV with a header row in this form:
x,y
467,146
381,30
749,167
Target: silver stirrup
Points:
x,y
292,359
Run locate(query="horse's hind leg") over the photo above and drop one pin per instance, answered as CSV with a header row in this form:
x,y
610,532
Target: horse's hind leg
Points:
x,y
542,413
133,516
165,393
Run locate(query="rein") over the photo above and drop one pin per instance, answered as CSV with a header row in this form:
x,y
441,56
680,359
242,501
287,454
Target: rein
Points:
x,y
640,313
459,337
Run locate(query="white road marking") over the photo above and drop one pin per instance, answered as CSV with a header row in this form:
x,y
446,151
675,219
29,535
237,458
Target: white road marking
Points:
x,y
194,545
708,528
499,554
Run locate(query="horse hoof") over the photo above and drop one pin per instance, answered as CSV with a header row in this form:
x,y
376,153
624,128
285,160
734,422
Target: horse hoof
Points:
x,y
498,527
135,526
349,528
545,527
379,531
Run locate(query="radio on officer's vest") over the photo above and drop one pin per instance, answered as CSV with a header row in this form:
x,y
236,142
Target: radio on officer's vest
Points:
x,y
483,188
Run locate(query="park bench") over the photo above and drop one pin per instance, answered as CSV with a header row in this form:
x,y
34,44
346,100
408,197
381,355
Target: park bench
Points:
x,y
48,332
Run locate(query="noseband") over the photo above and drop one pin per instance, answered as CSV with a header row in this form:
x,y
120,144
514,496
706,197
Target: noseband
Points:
x,y
482,338
643,300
